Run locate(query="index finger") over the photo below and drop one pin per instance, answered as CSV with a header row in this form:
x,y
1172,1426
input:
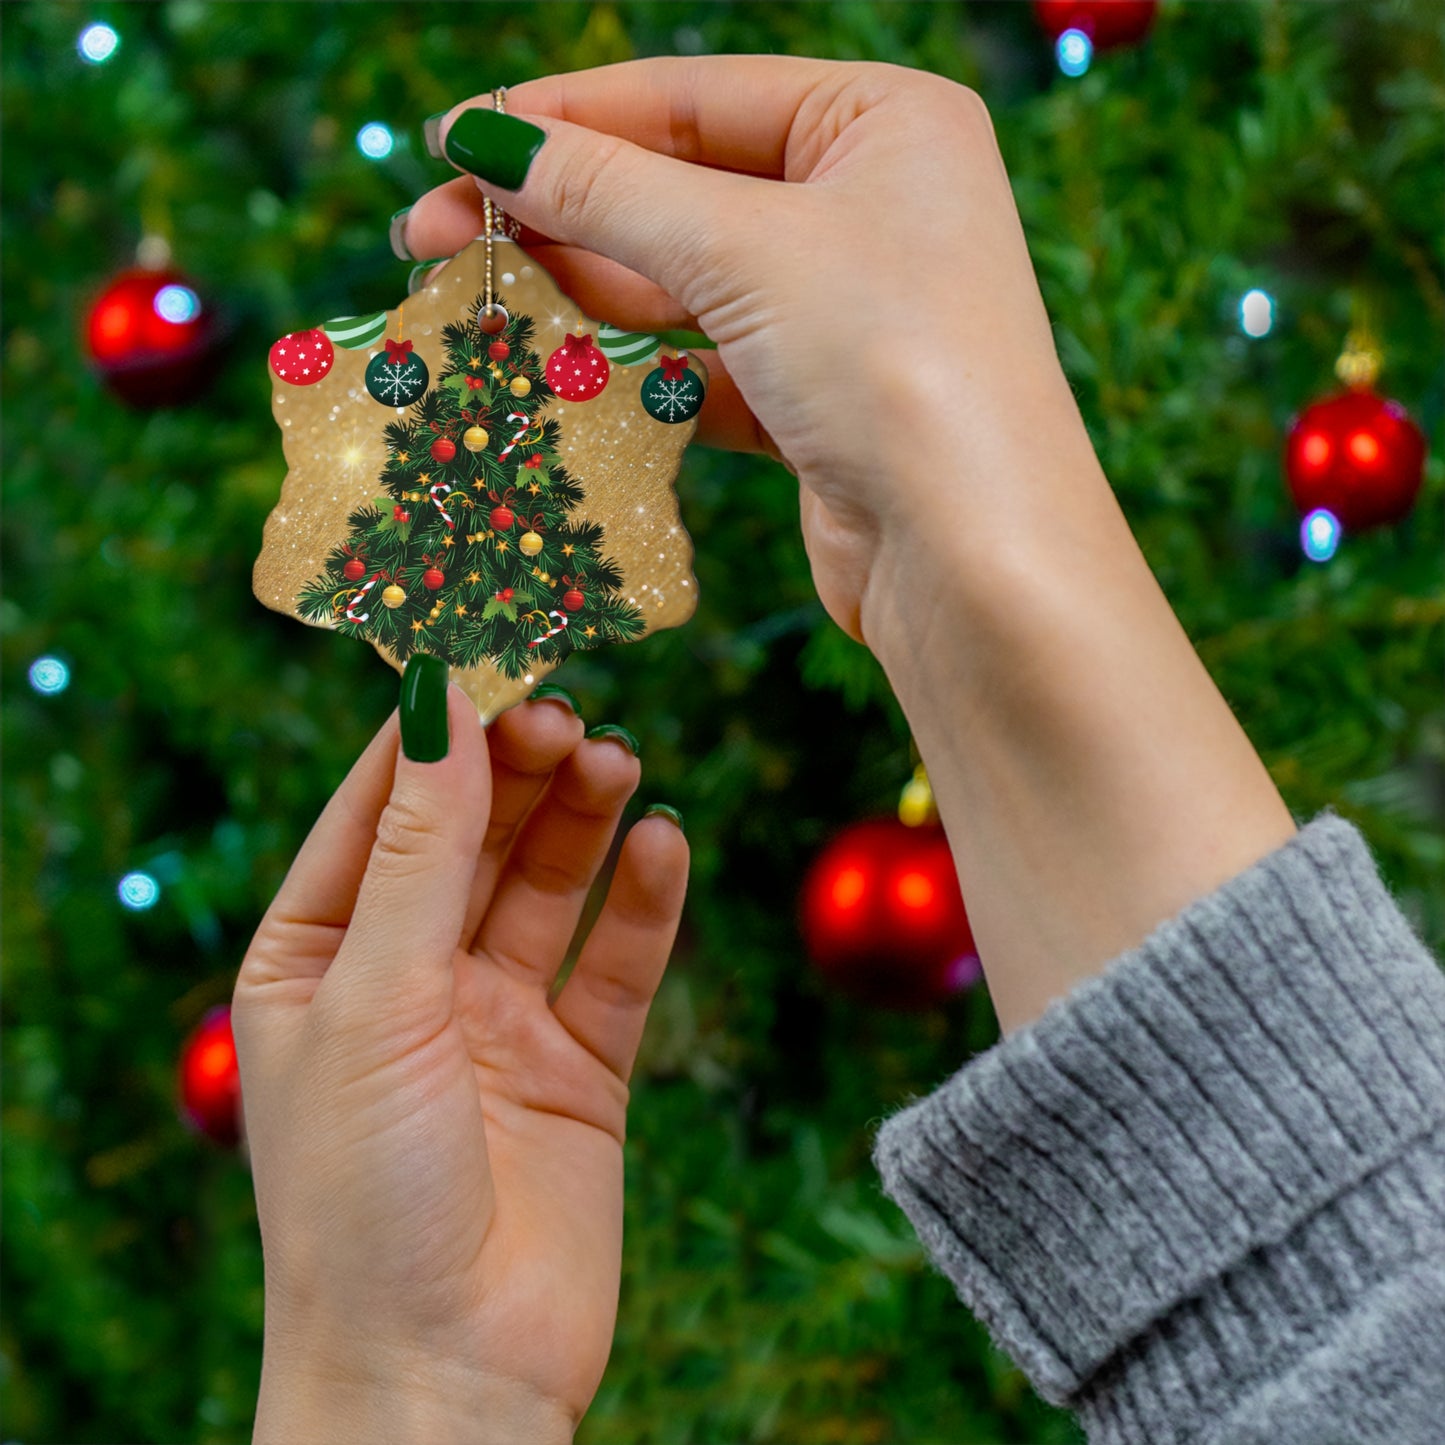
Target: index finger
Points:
x,y
734,112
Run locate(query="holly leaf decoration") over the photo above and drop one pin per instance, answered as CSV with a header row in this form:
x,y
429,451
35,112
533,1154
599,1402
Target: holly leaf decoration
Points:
x,y
496,607
456,382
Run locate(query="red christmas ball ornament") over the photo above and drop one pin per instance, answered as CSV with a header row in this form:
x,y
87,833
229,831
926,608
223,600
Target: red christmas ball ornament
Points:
x,y
573,600
443,449
433,578
577,371
502,519
883,917
1107,23
302,358
499,351
151,338
209,1080
354,570
1358,455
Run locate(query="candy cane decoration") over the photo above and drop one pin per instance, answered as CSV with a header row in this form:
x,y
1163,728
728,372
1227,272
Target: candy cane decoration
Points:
x,y
358,595
446,516
526,427
561,626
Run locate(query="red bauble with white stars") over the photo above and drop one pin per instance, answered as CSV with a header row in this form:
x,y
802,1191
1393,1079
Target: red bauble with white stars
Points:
x,y
302,358
209,1079
573,600
1358,455
443,449
151,338
1107,23
577,371
883,917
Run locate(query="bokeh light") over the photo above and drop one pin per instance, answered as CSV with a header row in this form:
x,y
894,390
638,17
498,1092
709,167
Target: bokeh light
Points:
x,y
1075,52
1256,313
375,141
177,304
49,675
97,43
138,891
1319,535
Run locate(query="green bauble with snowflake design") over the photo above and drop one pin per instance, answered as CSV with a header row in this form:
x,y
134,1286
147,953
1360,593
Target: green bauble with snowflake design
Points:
x,y
397,376
674,392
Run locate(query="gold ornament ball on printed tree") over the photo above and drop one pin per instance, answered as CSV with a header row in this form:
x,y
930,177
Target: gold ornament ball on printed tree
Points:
x,y
393,597
475,438
529,543
519,386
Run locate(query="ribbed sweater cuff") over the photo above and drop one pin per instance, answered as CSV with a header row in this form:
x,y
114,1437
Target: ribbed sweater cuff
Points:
x,y
1196,1114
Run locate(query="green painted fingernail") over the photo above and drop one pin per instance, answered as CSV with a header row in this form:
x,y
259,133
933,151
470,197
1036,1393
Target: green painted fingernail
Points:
x,y
612,730
431,133
687,340
498,148
396,232
662,810
424,735
550,689
417,275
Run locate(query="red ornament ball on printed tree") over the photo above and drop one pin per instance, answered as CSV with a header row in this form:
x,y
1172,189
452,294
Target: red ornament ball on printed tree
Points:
x,y
302,358
354,570
577,371
433,578
1107,23
1359,456
499,351
883,917
443,449
573,600
209,1080
151,338
502,519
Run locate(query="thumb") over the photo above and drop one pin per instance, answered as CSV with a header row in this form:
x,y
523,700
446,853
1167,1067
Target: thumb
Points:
x,y
412,902
663,218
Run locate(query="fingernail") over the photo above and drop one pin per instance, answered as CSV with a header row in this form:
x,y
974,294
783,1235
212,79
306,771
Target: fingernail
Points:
x,y
686,340
498,148
612,730
662,810
397,232
424,737
418,272
431,133
550,689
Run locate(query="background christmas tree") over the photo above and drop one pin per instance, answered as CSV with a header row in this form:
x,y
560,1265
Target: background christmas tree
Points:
x,y
770,1292
471,555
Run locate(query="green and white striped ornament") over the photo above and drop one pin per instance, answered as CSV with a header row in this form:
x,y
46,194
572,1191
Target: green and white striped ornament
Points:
x,y
626,348
356,333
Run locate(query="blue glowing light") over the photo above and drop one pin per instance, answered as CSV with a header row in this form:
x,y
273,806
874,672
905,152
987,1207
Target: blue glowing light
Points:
x,y
138,891
97,43
49,675
375,140
1319,535
1074,52
1256,313
177,304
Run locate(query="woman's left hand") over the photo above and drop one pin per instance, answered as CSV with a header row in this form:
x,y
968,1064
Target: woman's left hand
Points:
x,y
436,1145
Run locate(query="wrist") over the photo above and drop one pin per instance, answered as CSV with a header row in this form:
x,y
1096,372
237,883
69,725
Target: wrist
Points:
x,y
404,1399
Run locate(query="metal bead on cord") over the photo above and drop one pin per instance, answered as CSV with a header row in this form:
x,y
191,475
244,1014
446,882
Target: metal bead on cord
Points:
x,y
492,317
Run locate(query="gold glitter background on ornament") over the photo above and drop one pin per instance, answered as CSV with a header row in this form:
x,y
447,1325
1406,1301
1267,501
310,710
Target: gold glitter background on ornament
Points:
x,y
625,462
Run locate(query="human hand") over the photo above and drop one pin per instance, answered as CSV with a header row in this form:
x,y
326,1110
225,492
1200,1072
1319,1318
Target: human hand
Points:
x,y
878,323
437,1150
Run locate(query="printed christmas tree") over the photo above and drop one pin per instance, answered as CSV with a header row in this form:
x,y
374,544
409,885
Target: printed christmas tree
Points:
x,y
473,554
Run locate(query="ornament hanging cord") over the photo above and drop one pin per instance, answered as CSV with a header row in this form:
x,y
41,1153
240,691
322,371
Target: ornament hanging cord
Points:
x,y
493,217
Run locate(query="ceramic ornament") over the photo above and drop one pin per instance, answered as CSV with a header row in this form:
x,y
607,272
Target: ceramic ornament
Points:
x,y
442,497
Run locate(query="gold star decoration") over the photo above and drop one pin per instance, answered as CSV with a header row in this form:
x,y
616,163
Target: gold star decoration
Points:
x,y
568,550
534,489
479,485
416,626
461,609
403,457
425,479
448,542
473,576
475,361
501,544
589,632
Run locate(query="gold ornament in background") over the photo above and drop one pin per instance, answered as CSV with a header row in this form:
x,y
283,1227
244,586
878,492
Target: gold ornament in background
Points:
x,y
529,544
475,439
333,436
519,386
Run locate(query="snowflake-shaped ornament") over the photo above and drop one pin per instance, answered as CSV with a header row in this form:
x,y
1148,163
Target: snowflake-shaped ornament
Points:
x,y
397,376
673,392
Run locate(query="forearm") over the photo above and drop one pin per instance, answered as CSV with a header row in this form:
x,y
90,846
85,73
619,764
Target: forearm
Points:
x,y
1091,778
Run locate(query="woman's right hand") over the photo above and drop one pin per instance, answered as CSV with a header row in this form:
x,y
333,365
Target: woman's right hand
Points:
x,y
847,236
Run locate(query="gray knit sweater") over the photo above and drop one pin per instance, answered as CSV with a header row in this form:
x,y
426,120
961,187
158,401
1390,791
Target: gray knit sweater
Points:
x,y
1202,1199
